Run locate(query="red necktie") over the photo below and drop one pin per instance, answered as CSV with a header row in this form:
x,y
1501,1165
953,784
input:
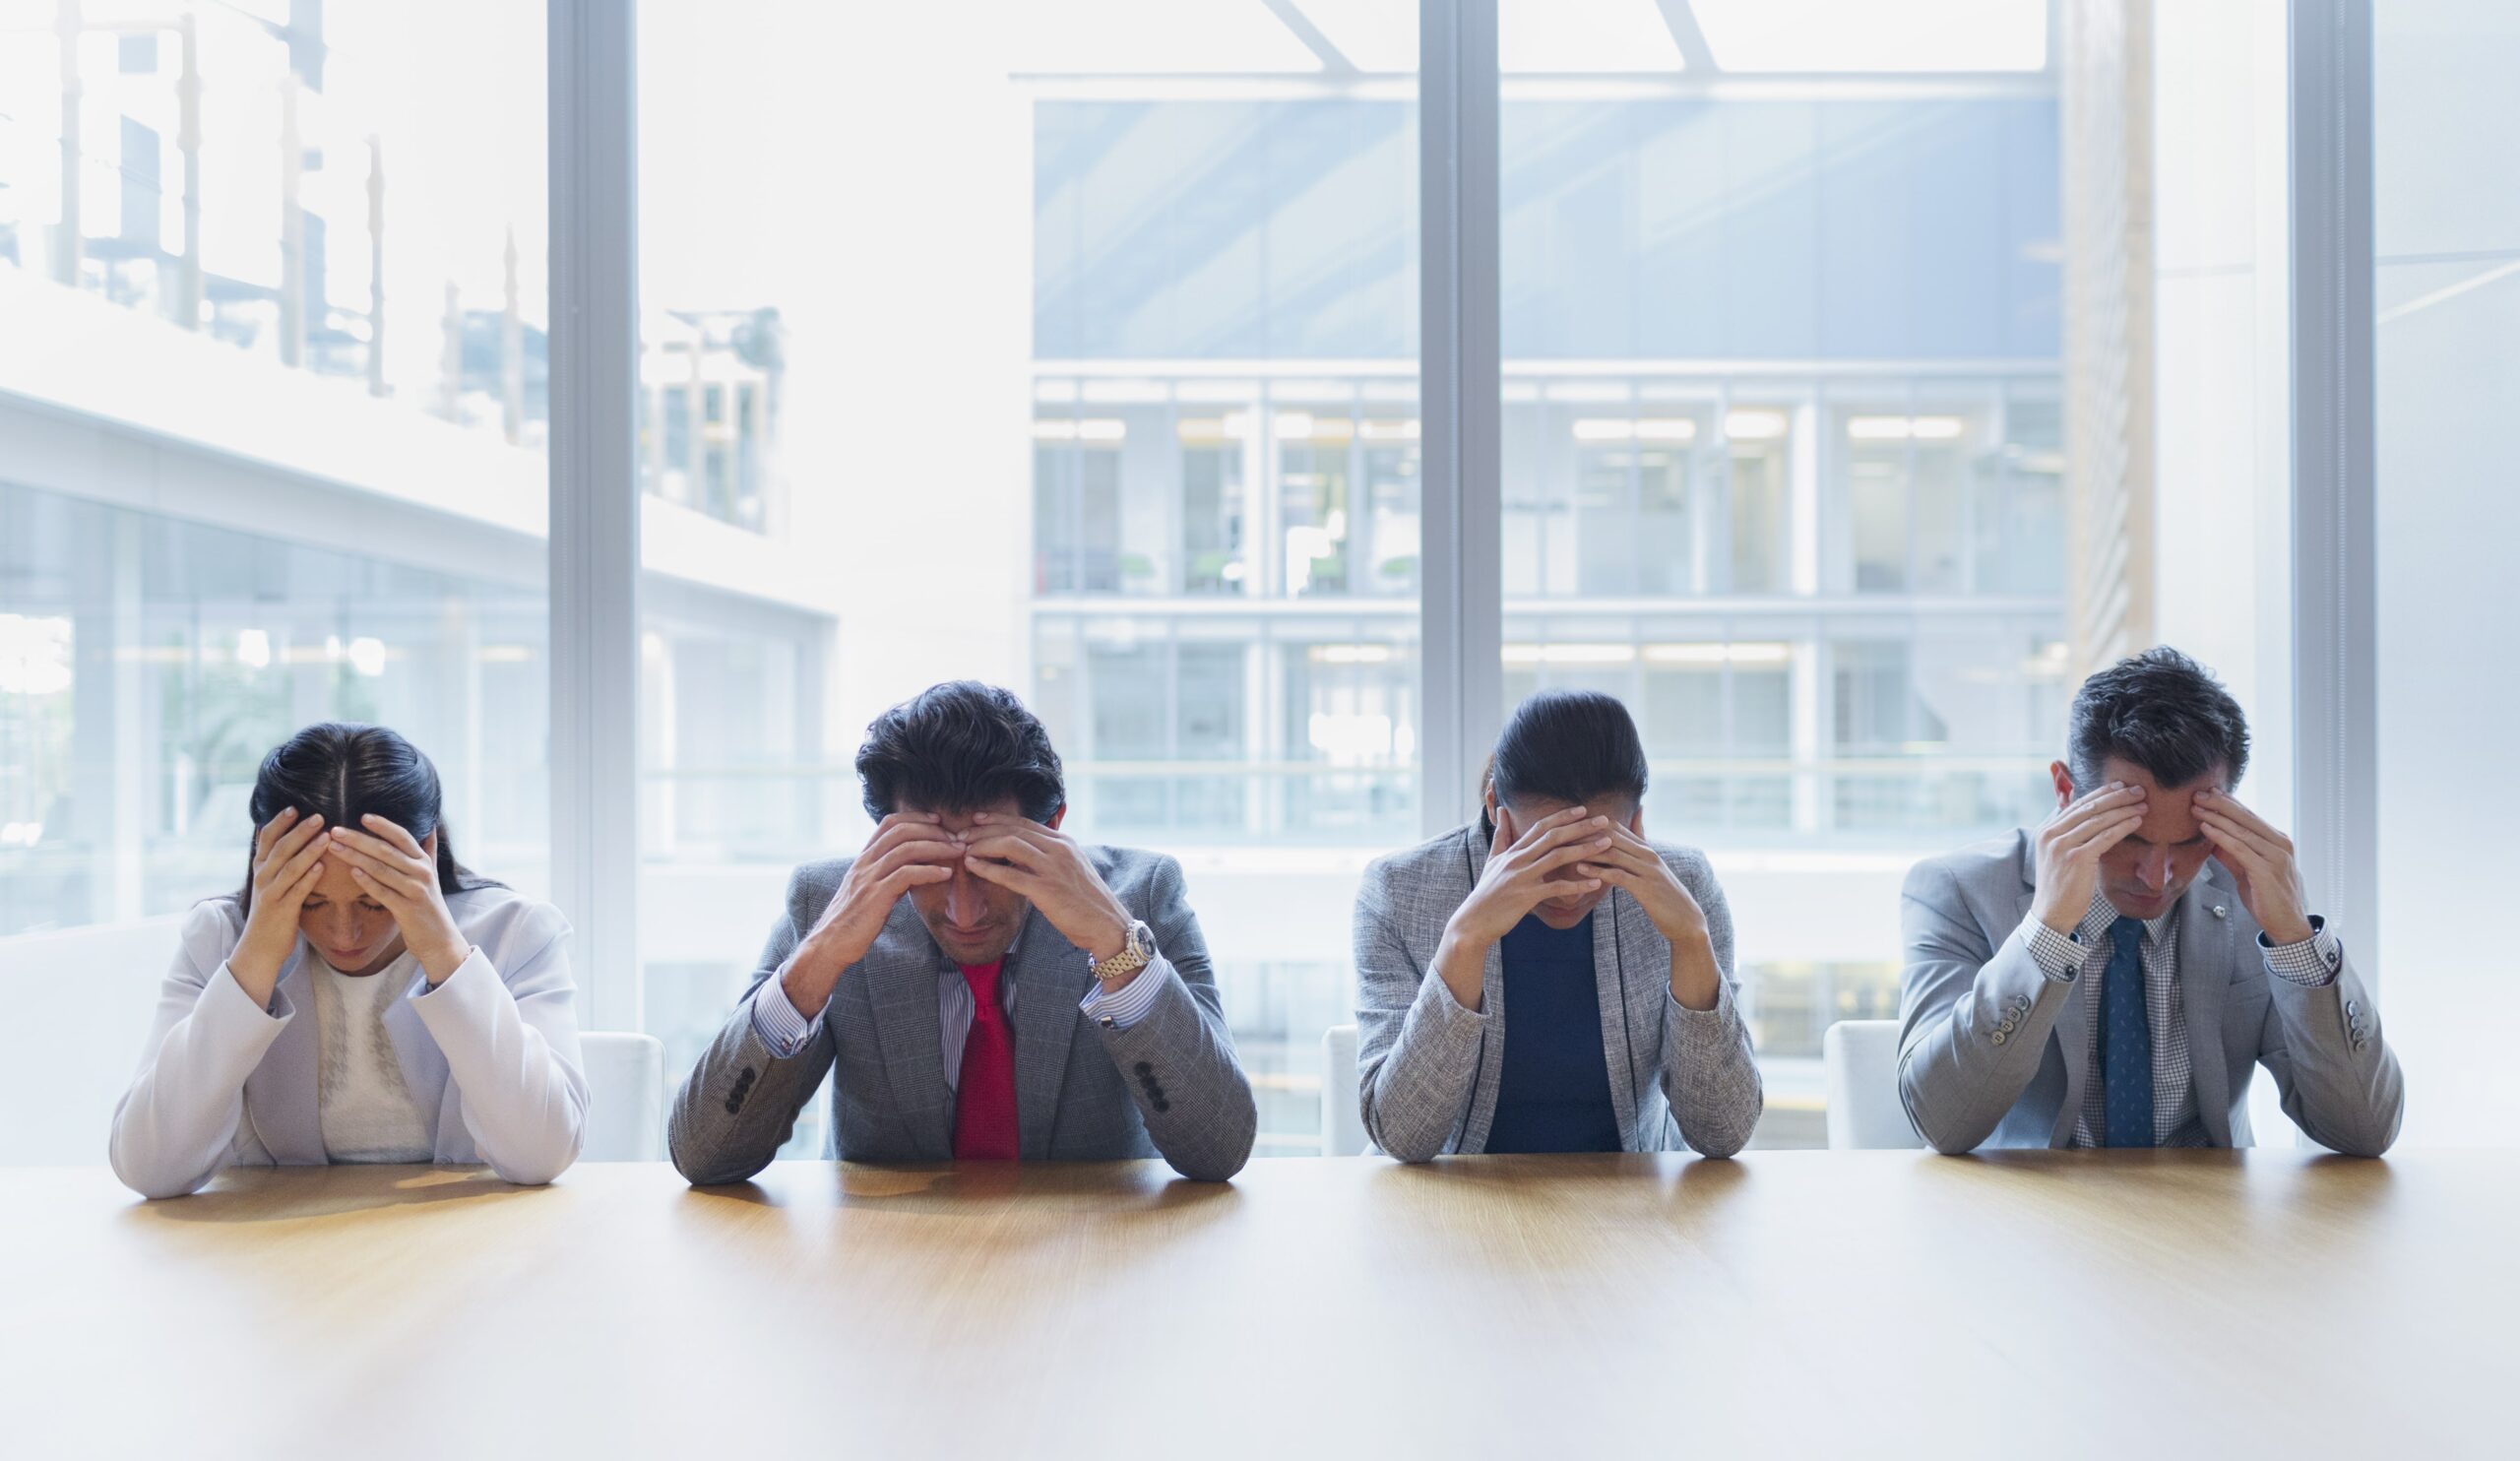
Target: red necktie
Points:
x,y
985,1102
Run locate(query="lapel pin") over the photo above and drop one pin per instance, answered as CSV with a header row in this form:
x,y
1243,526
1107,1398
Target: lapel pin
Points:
x,y
2221,910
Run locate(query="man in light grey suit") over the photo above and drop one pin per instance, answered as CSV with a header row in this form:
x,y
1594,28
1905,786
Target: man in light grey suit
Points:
x,y
980,985
1613,954
2112,977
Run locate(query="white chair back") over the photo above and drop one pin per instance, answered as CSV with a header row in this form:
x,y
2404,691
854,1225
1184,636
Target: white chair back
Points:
x,y
625,1097
1343,1120
1860,1060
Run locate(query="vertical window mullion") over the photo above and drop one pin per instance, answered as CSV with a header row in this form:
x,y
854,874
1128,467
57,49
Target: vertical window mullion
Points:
x,y
593,533
1461,622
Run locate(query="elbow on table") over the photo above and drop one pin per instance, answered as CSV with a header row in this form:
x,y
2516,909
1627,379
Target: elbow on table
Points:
x,y
153,1179
150,1173
537,1168
158,1186
1945,1137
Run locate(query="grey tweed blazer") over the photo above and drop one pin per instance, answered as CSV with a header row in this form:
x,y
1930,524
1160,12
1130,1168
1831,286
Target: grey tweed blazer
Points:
x,y
1167,1086
1429,1069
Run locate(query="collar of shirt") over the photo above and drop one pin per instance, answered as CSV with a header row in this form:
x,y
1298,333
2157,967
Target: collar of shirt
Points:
x,y
2093,932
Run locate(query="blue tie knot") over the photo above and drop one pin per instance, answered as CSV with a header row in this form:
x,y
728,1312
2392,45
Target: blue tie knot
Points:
x,y
2127,934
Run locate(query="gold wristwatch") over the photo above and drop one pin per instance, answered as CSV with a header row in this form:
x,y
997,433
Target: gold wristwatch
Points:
x,y
1136,952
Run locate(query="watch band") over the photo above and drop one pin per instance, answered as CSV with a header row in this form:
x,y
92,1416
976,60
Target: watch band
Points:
x,y
1136,952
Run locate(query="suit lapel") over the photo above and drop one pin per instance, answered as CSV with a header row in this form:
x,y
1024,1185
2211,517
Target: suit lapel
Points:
x,y
1612,939
1491,998
901,973
282,1099
2205,966
1051,975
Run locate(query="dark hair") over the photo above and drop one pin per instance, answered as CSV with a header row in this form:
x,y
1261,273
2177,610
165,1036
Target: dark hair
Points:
x,y
1567,745
960,746
2164,711
348,772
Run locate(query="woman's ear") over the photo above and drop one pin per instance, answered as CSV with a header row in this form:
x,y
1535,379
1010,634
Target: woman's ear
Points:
x,y
428,844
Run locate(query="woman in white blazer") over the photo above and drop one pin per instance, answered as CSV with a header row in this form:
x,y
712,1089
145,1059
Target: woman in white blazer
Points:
x,y
362,999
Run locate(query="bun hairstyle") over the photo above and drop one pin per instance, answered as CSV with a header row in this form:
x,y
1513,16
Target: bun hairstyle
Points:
x,y
348,772
1565,745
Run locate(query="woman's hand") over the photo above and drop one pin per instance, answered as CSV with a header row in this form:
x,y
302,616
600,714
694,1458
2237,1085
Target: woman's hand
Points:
x,y
1514,882
399,872
1632,867
1516,878
288,861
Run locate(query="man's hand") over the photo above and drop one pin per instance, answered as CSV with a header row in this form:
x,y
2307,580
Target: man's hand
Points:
x,y
907,850
2262,861
1049,869
1635,868
2070,848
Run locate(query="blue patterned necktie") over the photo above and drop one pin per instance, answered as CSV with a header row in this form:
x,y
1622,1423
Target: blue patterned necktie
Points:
x,y
2125,1041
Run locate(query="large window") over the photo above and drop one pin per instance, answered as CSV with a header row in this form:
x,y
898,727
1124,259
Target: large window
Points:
x,y
272,395
1782,467
1077,367
1076,347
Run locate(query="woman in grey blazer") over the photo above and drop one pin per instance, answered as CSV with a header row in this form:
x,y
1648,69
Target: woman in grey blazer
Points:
x,y
1613,954
362,999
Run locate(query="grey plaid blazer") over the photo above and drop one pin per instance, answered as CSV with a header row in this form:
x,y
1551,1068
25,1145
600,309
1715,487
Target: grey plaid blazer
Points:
x,y
1429,1069
1167,1086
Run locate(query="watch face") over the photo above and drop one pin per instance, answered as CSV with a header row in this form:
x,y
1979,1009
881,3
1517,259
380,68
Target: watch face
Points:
x,y
1142,939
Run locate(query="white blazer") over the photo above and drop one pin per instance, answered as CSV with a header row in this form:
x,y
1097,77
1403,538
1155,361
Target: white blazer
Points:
x,y
492,1054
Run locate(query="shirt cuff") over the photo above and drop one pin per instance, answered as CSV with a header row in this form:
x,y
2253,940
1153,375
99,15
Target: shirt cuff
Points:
x,y
2311,963
777,1020
2058,956
1131,1002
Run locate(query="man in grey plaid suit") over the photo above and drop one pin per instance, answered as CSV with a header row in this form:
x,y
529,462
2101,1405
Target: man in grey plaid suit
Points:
x,y
978,984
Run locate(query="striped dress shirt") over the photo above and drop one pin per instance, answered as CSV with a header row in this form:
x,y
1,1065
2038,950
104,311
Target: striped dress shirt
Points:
x,y
2084,956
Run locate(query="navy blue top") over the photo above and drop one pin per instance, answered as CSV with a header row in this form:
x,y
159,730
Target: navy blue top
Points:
x,y
1555,1095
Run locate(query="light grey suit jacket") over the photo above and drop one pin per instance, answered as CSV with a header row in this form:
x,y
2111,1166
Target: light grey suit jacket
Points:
x,y
1169,1085
1992,1052
1429,1069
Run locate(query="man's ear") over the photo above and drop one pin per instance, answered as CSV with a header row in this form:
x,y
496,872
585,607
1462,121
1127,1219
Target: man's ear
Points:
x,y
1636,821
428,844
1056,816
2065,780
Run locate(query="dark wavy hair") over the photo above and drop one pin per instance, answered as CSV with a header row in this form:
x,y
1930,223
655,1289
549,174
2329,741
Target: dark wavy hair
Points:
x,y
346,771
1567,745
2164,711
960,746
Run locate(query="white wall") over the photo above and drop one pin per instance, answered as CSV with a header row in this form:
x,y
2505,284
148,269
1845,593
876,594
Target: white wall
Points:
x,y
84,1000
2447,225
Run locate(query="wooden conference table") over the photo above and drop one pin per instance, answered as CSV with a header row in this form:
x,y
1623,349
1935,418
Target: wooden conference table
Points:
x,y
2132,1305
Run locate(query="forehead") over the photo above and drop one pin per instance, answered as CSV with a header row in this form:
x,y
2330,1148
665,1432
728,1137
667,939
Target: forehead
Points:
x,y
337,885
1610,803
960,821
2170,812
